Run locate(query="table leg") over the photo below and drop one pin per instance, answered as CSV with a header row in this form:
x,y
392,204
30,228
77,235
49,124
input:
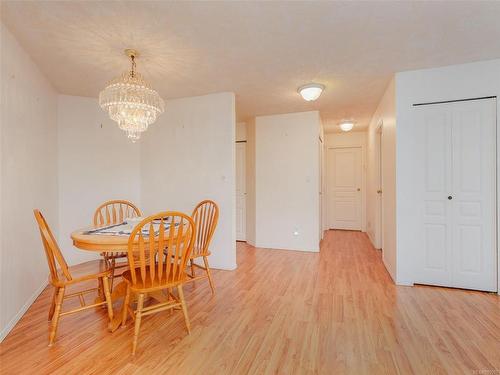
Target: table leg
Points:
x,y
118,293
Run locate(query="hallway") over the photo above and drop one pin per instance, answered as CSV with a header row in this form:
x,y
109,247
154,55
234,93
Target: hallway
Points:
x,y
280,312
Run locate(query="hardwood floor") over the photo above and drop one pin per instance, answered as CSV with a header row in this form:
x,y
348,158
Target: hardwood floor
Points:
x,y
280,312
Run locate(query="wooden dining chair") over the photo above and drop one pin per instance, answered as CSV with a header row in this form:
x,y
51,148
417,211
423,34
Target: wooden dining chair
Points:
x,y
109,213
62,276
205,216
153,274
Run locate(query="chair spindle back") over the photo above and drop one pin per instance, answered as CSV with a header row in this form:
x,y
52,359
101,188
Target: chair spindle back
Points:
x,y
114,212
163,243
205,216
52,251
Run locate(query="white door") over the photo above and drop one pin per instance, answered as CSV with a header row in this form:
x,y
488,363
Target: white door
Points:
x,y
241,193
458,182
344,177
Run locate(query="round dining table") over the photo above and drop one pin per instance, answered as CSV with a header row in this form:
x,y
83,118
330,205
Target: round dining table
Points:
x,y
111,244
100,243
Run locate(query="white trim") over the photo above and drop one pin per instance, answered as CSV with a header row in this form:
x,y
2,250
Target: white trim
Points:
x,y
243,236
379,216
6,330
497,190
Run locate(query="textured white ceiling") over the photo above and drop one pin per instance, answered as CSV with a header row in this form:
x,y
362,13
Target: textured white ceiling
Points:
x,y
262,51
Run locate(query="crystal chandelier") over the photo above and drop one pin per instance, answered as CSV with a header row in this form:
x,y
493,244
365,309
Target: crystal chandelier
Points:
x,y
131,102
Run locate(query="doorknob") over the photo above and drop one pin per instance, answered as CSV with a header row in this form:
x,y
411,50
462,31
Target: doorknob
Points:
x,y
450,197
359,189
379,191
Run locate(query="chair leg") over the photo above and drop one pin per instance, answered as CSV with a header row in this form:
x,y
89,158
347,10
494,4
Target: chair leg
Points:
x,y
184,308
126,302
205,260
191,261
138,315
105,257
170,292
55,318
101,290
107,294
53,303
113,264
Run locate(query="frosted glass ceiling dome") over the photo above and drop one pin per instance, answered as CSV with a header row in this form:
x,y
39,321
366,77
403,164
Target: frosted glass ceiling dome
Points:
x,y
311,91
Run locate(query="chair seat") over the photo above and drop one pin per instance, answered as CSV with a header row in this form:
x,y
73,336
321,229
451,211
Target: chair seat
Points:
x,y
147,284
84,271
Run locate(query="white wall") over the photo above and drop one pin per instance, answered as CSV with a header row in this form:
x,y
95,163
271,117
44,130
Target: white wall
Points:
x,y
464,81
350,139
287,181
97,162
384,115
188,155
28,178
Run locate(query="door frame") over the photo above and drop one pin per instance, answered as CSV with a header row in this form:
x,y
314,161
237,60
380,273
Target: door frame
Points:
x,y
379,210
321,152
242,144
497,191
362,146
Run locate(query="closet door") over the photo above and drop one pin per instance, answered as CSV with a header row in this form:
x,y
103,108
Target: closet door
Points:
x,y
473,196
457,179
434,177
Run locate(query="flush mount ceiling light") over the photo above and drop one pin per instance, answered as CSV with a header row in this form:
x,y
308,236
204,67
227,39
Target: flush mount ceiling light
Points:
x,y
131,102
311,92
346,125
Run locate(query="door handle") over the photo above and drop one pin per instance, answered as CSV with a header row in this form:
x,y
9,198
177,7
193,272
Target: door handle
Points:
x,y
379,191
359,189
450,197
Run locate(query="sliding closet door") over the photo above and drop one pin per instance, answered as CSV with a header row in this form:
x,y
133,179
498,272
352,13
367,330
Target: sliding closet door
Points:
x,y
434,177
457,194
473,203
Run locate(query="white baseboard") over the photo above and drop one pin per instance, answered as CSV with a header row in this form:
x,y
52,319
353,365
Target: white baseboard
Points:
x,y
405,283
20,313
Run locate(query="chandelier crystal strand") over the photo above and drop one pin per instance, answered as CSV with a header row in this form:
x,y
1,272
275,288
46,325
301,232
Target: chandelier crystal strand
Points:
x,y
131,102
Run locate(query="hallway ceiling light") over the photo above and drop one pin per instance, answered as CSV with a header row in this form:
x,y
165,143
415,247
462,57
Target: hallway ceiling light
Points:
x,y
346,125
311,91
131,102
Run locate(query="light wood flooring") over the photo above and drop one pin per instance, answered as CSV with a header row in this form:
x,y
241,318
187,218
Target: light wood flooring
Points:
x,y
280,312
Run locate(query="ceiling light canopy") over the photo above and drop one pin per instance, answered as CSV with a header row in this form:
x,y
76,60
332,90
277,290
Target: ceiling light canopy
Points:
x,y
131,102
311,92
346,125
